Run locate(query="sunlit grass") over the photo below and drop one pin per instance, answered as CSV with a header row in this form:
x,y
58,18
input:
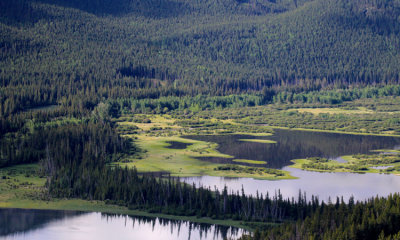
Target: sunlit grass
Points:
x,y
257,140
249,161
317,111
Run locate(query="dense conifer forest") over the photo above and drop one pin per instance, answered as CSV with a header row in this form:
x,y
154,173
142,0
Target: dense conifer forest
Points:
x,y
373,219
77,53
91,61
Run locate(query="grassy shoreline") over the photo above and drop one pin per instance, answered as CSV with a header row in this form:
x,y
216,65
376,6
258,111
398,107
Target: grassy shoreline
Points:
x,y
258,140
101,207
184,163
334,131
375,163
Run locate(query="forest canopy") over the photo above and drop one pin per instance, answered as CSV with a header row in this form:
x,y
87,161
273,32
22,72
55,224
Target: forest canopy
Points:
x,y
78,53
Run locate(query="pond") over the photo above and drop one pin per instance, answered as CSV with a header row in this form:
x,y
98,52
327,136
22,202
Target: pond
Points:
x,y
60,225
295,145
324,185
177,145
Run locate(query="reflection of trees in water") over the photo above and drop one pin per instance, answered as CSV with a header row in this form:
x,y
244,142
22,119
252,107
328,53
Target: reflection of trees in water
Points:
x,y
218,232
295,144
13,221
20,221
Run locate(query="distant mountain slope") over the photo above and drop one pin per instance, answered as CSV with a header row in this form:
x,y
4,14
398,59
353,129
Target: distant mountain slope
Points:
x,y
82,51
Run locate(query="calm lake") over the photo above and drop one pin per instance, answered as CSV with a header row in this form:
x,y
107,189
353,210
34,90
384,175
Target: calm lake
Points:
x,y
69,225
301,144
324,185
294,145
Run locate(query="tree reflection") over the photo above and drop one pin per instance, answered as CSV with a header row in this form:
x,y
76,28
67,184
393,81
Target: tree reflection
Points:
x,y
13,221
205,231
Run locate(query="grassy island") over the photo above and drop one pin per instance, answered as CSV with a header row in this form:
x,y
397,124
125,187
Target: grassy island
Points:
x,y
388,163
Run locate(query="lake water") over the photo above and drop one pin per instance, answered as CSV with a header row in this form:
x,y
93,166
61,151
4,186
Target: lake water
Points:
x,y
324,185
294,145
68,225
302,144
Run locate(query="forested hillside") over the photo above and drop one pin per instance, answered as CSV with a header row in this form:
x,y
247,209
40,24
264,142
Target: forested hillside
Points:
x,y
77,53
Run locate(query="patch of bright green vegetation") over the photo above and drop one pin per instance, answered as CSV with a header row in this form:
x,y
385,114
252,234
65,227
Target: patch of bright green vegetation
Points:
x,y
249,161
334,110
260,134
20,182
257,140
231,170
386,151
360,163
179,162
386,134
183,162
22,187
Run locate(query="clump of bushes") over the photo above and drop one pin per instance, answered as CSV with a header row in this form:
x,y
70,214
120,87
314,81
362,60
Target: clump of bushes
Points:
x,y
250,170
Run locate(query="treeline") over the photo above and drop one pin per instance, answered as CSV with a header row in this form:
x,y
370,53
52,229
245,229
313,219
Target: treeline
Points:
x,y
187,103
336,96
32,134
169,196
377,218
267,96
79,53
23,136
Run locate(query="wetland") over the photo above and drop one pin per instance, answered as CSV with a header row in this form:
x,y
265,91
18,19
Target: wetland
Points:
x,y
292,144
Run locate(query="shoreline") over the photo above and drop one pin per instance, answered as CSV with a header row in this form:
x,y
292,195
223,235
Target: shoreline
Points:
x,y
334,131
100,207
